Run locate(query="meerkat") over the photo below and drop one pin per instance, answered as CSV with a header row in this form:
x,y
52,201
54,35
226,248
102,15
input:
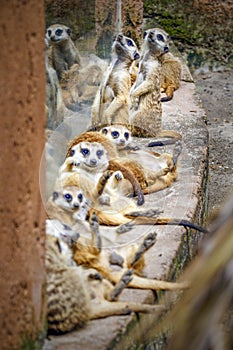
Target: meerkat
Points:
x,y
113,262
159,170
112,100
145,113
76,295
113,162
63,52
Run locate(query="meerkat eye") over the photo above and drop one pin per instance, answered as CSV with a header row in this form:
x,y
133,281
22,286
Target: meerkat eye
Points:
x,y
80,197
49,32
68,197
126,134
99,153
115,134
59,32
160,37
104,131
85,151
130,43
72,152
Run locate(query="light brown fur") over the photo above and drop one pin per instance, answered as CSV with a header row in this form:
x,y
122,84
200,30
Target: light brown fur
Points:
x,y
170,75
112,101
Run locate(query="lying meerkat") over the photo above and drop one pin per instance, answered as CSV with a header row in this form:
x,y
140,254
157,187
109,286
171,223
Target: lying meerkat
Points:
x,y
114,262
112,100
159,170
68,206
113,162
145,113
76,295
63,52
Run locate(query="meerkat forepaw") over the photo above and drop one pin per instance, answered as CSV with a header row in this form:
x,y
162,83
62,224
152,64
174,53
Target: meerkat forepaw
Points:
x,y
125,227
118,175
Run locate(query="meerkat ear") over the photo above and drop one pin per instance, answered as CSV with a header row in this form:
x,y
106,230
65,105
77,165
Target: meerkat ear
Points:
x,y
55,195
68,30
104,131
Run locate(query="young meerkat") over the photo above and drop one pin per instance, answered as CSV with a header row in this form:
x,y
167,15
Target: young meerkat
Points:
x,y
76,295
63,52
112,100
145,113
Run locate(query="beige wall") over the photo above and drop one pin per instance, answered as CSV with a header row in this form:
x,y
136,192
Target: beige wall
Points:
x,y
22,122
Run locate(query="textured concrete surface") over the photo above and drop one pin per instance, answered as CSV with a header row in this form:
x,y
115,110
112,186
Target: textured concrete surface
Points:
x,y
186,199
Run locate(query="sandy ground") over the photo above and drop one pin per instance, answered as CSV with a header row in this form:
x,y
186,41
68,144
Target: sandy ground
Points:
x,y
216,90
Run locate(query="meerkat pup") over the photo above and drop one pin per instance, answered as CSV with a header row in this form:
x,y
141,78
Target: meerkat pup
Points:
x,y
63,52
112,100
145,114
76,295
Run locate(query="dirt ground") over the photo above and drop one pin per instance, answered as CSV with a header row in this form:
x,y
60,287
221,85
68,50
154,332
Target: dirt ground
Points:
x,y
216,91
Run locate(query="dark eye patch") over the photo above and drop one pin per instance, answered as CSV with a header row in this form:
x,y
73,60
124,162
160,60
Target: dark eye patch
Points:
x,y
59,32
99,153
115,134
85,151
130,43
68,197
80,197
72,152
126,134
160,37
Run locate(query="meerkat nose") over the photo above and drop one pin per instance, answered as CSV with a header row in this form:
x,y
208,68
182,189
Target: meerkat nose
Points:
x,y
166,49
122,142
76,205
93,161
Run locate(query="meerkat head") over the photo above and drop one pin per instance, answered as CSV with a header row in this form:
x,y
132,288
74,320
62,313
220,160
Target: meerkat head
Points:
x,y
69,198
157,41
92,156
118,134
57,33
126,48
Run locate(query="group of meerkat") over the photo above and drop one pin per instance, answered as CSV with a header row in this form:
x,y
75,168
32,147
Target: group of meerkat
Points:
x,y
105,178
95,189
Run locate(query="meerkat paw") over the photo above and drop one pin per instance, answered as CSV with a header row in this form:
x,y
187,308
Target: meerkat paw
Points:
x,y
125,227
118,175
116,259
122,284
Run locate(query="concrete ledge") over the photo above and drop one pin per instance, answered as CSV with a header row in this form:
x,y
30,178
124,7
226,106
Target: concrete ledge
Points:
x,y
175,246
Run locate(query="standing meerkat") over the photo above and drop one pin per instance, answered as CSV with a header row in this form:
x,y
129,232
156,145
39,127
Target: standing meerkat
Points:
x,y
63,52
145,114
112,100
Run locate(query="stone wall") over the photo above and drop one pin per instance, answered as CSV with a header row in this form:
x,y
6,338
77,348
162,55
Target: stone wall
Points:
x,y
22,122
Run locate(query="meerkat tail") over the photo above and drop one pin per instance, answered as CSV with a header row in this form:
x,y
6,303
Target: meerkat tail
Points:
x,y
142,220
172,135
153,284
129,176
169,94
